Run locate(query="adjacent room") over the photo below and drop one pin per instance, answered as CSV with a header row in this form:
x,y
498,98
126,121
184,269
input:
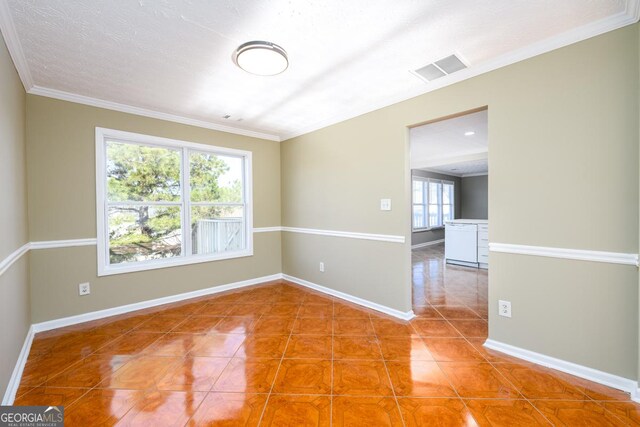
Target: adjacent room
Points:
x,y
449,225
252,213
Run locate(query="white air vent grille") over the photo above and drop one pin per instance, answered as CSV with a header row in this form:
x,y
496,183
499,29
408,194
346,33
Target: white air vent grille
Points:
x,y
440,68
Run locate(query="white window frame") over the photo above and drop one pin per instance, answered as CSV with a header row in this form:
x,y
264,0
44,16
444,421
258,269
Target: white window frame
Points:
x,y
104,267
425,201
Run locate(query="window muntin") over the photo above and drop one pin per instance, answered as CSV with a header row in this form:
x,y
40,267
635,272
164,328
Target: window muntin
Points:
x,y
447,201
165,202
433,202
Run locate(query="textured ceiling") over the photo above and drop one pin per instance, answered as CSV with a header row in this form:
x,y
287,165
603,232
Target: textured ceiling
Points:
x,y
346,57
445,142
475,167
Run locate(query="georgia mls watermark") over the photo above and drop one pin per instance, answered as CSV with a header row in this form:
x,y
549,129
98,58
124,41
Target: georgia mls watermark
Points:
x,y
31,416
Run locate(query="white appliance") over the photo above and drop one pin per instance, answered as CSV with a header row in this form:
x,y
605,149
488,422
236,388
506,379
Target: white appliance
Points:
x,y
461,244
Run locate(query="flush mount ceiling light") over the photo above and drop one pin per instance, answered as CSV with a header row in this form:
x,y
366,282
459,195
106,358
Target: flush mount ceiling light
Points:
x,y
469,133
261,58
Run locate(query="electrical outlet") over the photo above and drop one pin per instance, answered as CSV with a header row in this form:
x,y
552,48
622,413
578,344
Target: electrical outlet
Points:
x,y
504,308
322,267
84,289
385,204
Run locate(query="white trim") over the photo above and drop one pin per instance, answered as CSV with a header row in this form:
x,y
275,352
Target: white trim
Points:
x,y
16,375
144,139
613,22
347,234
171,262
124,108
267,229
68,243
14,256
462,263
404,315
600,377
469,175
101,314
450,160
431,243
14,46
427,202
50,244
575,254
102,135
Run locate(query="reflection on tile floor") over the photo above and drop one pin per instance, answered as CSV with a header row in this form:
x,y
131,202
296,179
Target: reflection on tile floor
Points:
x,y
279,355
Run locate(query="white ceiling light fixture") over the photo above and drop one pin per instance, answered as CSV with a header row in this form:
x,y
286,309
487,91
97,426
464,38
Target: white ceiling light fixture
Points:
x,y
469,133
261,58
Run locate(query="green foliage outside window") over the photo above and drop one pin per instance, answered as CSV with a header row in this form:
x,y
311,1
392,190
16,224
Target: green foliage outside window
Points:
x,y
139,173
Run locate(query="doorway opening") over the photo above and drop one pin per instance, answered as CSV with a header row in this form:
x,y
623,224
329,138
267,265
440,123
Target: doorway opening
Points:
x,y
449,160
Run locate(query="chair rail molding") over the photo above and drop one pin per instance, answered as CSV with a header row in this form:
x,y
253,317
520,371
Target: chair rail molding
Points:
x,y
348,234
14,256
574,254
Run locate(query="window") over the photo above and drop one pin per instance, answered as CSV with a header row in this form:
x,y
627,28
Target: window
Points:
x,y
432,202
163,202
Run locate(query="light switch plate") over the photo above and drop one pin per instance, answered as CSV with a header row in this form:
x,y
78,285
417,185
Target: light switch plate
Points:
x,y
385,204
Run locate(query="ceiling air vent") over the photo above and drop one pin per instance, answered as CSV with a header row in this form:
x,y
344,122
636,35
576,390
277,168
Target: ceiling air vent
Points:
x,y
440,68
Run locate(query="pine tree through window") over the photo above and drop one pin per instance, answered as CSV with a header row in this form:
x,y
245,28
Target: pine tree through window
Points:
x,y
165,202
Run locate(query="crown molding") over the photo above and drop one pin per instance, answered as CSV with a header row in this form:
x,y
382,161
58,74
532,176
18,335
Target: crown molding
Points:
x,y
631,15
14,46
632,10
124,108
17,55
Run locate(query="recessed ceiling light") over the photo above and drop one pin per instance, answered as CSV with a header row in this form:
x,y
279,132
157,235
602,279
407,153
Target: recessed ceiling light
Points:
x,y
469,133
261,58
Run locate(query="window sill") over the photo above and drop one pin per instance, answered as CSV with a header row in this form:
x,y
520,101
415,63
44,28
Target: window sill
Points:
x,y
167,263
420,230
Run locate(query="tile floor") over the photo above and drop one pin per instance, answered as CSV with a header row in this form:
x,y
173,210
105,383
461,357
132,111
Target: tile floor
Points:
x,y
279,355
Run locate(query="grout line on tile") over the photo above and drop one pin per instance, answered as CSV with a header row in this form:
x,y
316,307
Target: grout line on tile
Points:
x,y
264,409
386,368
333,323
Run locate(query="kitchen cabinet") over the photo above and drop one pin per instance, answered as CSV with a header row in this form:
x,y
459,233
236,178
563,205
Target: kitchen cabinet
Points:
x,y
466,242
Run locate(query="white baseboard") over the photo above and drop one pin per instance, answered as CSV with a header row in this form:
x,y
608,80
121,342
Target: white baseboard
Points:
x,y
101,314
16,376
600,377
422,245
403,315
